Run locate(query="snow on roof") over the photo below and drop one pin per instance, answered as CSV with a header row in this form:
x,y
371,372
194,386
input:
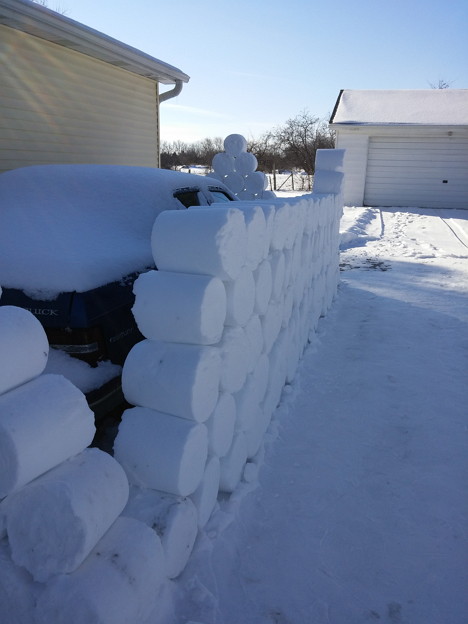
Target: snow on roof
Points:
x,y
447,107
67,228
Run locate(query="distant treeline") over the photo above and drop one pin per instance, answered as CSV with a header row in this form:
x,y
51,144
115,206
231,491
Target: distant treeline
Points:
x,y
290,146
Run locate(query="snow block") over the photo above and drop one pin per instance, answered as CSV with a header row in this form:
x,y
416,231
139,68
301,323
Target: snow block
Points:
x,y
205,240
221,425
173,518
278,273
271,324
117,584
23,347
240,295
263,286
18,591
177,379
178,307
235,355
328,182
256,231
232,464
161,451
206,495
54,522
329,160
254,333
42,423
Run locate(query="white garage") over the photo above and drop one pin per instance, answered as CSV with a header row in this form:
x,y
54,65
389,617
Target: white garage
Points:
x,y
404,148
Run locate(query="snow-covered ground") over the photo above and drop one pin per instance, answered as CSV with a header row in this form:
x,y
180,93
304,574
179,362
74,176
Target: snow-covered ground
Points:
x,y
358,513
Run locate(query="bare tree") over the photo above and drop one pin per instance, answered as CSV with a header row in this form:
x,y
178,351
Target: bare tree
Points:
x,y
57,9
441,84
301,137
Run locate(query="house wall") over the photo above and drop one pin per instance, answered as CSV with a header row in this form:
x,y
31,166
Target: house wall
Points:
x,y
60,106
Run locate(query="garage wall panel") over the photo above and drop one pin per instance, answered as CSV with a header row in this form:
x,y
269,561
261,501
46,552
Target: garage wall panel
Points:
x,y
429,172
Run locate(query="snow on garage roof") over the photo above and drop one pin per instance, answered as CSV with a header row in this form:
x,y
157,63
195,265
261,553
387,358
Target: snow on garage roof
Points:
x,y
444,107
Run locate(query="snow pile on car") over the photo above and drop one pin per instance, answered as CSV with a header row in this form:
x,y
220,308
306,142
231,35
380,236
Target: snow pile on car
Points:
x,y
79,543
70,228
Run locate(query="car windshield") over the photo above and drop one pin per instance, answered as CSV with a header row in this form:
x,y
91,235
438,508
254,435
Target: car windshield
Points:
x,y
219,195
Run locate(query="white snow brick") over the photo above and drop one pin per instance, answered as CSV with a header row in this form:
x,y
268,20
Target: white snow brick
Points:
x,y
221,425
223,164
178,379
232,464
54,522
271,324
177,307
254,333
246,404
288,306
263,286
246,163
206,240
117,584
281,226
23,347
240,295
235,144
269,214
278,272
256,233
3,518
311,214
261,375
235,355
329,160
251,395
42,423
328,182
206,495
161,451
173,518
254,435
18,591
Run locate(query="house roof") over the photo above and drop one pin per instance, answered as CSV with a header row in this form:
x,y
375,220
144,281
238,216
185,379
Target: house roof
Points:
x,y
442,107
39,21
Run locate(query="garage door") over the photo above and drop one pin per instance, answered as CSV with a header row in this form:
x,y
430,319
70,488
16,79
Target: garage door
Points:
x,y
426,172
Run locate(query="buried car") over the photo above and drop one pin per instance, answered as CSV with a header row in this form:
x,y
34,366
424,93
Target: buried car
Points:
x,y
73,238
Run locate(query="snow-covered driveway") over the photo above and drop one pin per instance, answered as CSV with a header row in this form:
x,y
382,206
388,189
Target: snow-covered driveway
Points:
x,y
359,512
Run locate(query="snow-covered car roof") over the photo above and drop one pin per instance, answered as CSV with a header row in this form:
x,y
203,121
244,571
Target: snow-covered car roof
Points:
x,y
70,228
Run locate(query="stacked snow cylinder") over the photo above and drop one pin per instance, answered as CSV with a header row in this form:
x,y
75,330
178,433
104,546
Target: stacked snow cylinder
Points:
x,y
236,168
226,318
58,498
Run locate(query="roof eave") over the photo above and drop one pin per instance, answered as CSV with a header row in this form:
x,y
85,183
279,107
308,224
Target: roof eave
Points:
x,y
46,24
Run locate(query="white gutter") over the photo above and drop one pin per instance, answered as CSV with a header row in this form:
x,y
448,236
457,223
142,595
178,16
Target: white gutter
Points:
x,y
41,22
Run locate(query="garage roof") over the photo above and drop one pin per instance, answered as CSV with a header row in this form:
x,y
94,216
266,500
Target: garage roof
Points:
x,y
442,107
42,22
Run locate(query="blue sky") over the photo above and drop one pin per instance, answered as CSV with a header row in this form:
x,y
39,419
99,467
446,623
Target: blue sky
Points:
x,y
253,65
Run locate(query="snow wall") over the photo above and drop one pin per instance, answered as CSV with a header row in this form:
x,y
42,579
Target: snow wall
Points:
x,y
86,537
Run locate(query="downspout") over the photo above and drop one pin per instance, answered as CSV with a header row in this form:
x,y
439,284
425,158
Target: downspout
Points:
x,y
162,97
167,95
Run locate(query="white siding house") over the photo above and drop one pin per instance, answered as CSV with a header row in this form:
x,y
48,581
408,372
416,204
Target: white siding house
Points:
x,y
404,148
70,94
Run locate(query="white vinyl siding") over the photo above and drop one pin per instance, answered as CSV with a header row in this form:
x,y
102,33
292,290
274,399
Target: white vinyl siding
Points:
x,y
354,166
429,172
61,106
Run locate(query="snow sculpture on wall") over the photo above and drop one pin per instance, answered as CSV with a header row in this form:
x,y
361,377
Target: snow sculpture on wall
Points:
x,y
236,168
